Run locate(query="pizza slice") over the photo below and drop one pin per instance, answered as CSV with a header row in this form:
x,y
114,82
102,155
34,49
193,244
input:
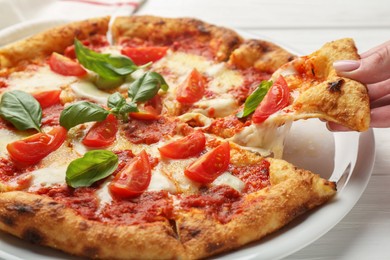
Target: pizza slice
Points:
x,y
308,87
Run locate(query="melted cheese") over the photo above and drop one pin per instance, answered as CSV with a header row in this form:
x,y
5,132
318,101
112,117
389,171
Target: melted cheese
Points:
x,y
228,179
179,65
160,181
46,177
270,137
217,107
6,137
86,89
37,80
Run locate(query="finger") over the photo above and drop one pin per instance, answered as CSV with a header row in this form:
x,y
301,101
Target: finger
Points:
x,y
380,102
373,50
379,90
372,69
334,127
380,117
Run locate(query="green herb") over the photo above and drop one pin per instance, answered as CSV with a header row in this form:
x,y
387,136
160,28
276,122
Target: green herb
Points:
x,y
120,107
146,87
93,166
82,112
110,68
254,99
21,109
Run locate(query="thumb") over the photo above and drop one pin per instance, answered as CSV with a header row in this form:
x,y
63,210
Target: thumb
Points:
x,y
370,69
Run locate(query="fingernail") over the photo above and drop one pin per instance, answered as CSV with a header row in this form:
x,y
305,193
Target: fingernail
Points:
x,y
346,65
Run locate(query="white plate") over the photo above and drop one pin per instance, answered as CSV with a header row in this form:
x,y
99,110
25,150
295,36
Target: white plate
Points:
x,y
347,158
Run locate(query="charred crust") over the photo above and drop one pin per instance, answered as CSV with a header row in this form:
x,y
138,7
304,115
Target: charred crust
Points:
x,y
194,232
21,208
33,236
335,86
7,220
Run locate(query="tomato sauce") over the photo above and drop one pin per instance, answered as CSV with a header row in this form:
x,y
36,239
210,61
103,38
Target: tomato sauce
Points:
x,y
147,208
10,170
222,202
149,131
255,177
82,200
252,78
51,115
225,127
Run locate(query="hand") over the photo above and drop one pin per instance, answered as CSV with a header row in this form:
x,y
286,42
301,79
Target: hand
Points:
x,y
372,69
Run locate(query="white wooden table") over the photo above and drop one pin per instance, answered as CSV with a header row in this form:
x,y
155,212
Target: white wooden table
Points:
x,y
305,26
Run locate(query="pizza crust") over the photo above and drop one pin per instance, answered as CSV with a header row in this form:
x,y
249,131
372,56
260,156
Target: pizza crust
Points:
x,y
40,46
43,221
263,212
262,55
220,40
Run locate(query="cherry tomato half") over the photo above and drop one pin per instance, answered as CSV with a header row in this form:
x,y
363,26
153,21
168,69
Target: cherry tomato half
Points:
x,y
133,179
65,66
185,147
48,98
192,89
143,55
102,133
277,98
32,149
210,165
150,111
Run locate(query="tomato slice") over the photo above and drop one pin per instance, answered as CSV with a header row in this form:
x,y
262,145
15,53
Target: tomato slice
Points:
x,y
65,66
32,149
210,165
48,98
102,133
277,98
143,55
185,147
192,89
133,179
150,111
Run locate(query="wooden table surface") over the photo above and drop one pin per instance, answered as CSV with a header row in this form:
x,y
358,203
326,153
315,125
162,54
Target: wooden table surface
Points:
x,y
305,26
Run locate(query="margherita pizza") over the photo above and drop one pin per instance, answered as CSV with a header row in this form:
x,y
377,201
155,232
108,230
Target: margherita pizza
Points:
x,y
162,142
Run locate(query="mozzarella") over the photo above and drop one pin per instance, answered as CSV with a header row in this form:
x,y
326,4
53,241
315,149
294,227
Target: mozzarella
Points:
x,y
228,179
103,194
217,107
270,137
48,176
7,136
37,80
160,181
202,120
86,89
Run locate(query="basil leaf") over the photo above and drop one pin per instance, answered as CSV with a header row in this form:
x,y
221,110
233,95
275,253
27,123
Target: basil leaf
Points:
x,y
147,86
93,166
119,107
106,66
21,109
81,112
254,99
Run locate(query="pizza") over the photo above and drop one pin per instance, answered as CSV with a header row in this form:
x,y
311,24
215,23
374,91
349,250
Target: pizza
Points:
x,y
160,137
